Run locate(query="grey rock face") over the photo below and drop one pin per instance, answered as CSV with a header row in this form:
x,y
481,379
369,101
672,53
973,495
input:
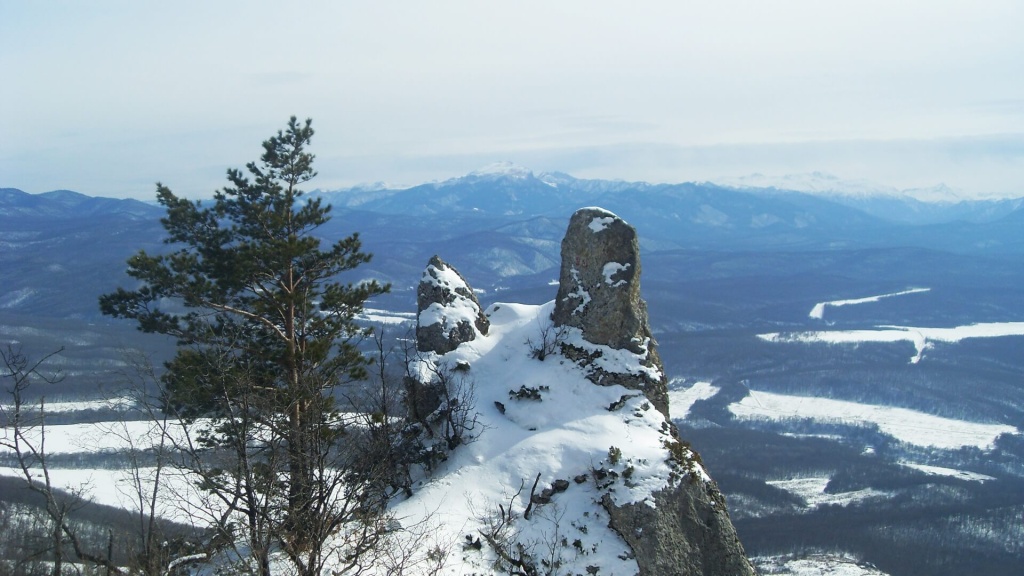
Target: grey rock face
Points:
x,y
448,311
599,293
687,531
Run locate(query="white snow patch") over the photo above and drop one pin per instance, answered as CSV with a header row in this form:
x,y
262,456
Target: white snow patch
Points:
x,y
460,309
610,270
567,433
951,472
579,292
818,311
905,425
600,223
377,316
610,359
115,403
812,490
814,565
920,337
680,401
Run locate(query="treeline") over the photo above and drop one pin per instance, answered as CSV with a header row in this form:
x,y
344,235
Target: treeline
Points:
x,y
26,545
914,541
934,525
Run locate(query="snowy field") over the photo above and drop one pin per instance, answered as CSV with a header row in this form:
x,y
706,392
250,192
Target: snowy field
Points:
x,y
920,337
813,565
905,425
812,490
950,472
818,311
386,317
680,400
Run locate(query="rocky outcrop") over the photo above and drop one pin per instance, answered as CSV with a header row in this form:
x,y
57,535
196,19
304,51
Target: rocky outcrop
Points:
x,y
448,311
684,528
599,294
686,532
680,525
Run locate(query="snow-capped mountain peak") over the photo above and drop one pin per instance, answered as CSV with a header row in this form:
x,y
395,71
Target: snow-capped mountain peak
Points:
x,y
503,168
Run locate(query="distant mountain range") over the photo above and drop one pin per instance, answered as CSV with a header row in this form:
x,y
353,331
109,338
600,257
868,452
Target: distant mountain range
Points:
x,y
64,204
503,223
699,215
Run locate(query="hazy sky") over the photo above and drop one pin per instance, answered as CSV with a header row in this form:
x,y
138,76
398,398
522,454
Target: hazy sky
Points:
x,y
109,97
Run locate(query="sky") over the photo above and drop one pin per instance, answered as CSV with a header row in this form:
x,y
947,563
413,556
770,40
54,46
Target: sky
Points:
x,y
109,97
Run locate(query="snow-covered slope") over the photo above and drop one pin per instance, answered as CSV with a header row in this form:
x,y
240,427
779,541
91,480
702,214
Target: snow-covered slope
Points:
x,y
565,429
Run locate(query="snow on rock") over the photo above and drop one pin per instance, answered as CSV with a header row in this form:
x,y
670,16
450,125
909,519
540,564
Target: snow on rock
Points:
x,y
610,270
449,312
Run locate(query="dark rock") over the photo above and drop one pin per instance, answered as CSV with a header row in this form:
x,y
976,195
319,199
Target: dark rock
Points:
x,y
422,398
448,311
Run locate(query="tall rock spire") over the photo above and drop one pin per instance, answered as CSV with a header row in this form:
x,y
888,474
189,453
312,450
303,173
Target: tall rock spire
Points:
x,y
684,529
599,293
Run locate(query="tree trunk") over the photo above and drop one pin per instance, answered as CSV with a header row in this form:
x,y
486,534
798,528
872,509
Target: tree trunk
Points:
x,y
58,549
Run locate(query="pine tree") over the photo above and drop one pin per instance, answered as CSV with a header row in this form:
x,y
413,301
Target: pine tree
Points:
x,y
265,332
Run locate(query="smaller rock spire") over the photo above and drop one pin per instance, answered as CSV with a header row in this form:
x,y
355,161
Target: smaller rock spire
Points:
x,y
448,311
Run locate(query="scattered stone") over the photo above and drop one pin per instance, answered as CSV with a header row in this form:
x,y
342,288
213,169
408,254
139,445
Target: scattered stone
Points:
x,y
525,393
